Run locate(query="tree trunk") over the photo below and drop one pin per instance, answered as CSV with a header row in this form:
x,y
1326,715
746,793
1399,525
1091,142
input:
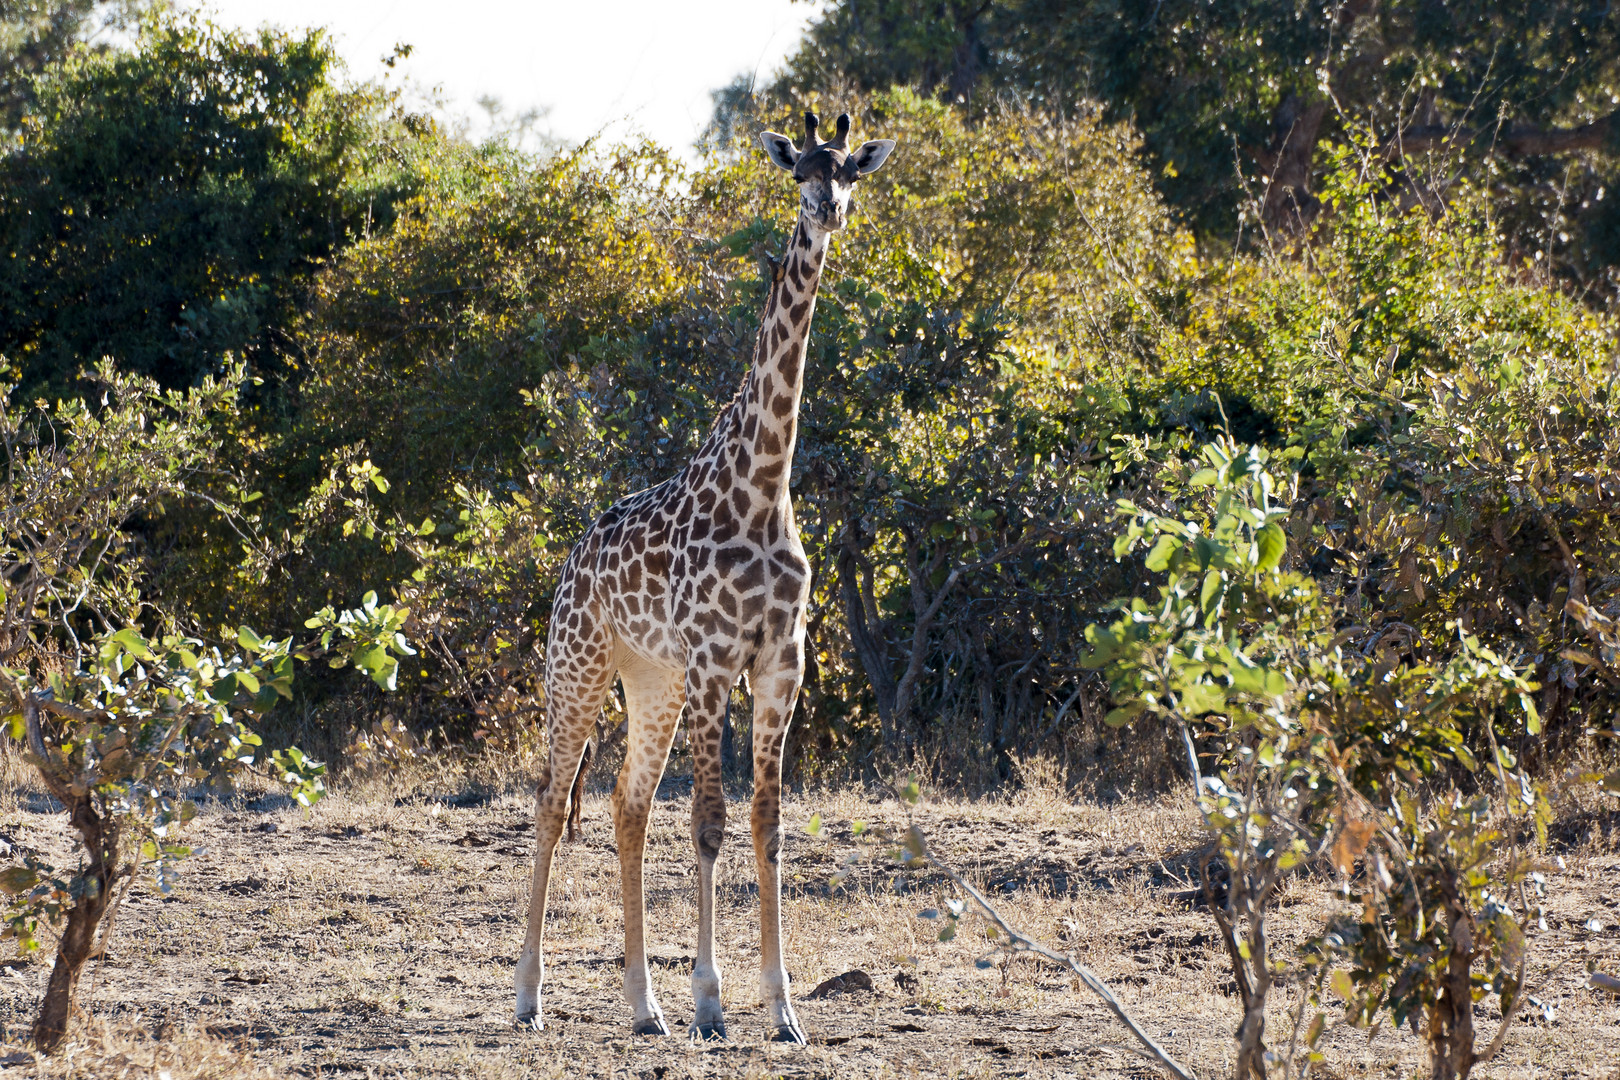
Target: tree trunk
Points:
x,y
965,59
1451,1025
1251,1060
869,649
79,939
1289,205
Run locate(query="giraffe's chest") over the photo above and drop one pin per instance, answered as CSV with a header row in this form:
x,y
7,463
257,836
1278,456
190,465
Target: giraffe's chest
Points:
x,y
704,570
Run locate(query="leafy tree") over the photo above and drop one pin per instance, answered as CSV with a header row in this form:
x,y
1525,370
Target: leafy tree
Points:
x,y
1228,95
1317,742
165,204
34,34
1225,653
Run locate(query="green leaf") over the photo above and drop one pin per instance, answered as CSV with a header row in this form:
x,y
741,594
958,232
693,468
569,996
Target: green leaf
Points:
x,y
813,827
1272,542
249,640
1532,718
948,931
1213,589
16,880
386,676
1125,713
1163,549
1251,678
1202,698
1342,985
133,643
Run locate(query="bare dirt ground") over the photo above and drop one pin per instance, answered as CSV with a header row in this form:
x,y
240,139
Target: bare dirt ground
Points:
x,y
376,936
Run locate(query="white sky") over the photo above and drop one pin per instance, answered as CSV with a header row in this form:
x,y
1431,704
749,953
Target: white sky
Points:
x,y
614,65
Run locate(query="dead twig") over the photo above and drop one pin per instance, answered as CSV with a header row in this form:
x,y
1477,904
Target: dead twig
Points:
x,y
1018,942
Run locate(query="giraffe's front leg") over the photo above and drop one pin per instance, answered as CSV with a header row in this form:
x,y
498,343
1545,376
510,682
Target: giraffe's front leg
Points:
x,y
707,693
653,698
775,692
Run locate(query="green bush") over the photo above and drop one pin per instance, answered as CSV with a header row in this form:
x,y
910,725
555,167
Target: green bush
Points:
x,y
166,204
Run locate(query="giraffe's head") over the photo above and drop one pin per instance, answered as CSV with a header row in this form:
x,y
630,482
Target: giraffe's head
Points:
x,y
826,171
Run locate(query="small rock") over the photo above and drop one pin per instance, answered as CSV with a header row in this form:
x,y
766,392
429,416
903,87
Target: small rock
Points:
x,y
269,826
249,884
847,983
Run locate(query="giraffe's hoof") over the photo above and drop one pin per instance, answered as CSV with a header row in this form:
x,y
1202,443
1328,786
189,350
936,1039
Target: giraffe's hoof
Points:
x,y
531,1022
653,1025
790,1033
706,1032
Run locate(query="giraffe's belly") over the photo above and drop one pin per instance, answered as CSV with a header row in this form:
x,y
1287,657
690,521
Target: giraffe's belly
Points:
x,y
641,622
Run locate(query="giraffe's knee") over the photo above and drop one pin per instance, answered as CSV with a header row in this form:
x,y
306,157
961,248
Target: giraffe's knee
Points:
x,y
709,839
767,823
769,843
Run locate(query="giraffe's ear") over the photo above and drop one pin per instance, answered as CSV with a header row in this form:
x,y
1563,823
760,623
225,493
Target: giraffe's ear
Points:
x,y
779,148
871,156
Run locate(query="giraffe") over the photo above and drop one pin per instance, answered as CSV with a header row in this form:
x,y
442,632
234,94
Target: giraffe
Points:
x,y
679,590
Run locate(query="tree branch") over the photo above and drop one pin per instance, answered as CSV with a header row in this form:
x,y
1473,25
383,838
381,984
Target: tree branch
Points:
x,y
1521,141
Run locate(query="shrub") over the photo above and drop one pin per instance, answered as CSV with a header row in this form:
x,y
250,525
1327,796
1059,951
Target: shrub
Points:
x,y
1318,744
123,726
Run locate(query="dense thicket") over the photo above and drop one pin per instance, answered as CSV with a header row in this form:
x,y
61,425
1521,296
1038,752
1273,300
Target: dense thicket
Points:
x,y
1239,99
1335,507
166,204
1014,335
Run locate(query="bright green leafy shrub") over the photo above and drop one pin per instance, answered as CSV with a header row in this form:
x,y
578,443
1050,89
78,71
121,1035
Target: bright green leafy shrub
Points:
x,y
122,726
1316,741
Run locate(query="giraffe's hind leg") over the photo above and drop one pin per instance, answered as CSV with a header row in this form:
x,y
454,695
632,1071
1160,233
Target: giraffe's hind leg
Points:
x,y
577,795
775,683
579,669
707,691
653,697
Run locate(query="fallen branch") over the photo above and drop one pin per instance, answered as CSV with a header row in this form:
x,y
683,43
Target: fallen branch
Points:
x,y
917,844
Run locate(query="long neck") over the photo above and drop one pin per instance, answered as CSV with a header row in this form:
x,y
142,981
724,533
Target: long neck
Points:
x,y
762,450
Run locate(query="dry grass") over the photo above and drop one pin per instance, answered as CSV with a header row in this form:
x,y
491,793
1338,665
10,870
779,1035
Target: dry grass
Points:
x,y
376,936
126,1050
